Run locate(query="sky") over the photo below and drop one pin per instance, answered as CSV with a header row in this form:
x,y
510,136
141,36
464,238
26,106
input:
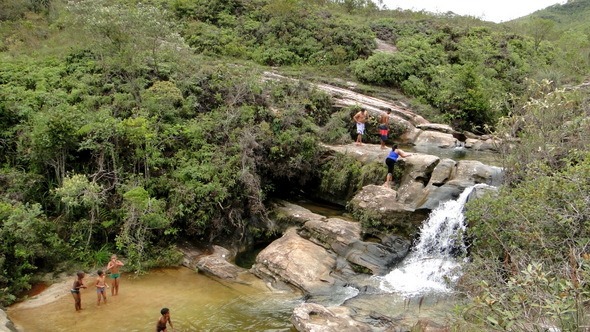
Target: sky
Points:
x,y
494,10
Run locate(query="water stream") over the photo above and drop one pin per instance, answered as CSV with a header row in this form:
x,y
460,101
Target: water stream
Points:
x,y
419,287
422,285
434,263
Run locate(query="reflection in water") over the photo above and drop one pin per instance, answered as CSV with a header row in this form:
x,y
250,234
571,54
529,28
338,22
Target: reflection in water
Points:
x,y
196,302
324,209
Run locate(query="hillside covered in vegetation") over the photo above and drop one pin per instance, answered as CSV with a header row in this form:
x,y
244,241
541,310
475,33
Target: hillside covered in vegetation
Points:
x,y
128,126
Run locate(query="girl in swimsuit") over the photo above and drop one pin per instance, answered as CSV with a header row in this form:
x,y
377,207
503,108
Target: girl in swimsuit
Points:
x,y
78,283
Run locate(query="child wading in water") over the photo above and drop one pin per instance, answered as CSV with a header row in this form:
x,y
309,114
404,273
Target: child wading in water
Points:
x,y
78,283
101,286
114,266
165,319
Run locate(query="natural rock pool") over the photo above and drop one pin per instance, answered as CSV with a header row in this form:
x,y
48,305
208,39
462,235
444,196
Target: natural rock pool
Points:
x,y
196,302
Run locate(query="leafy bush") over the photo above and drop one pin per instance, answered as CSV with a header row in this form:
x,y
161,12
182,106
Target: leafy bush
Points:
x,y
276,57
536,258
335,130
530,256
26,238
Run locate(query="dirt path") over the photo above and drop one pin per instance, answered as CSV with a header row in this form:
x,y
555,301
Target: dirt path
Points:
x,y
383,46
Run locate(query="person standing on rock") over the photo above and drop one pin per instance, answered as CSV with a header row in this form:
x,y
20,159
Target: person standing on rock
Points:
x,y
390,161
384,127
360,118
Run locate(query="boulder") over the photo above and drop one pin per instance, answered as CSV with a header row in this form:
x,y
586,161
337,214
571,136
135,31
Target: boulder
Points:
x,y
378,258
440,139
365,153
425,325
483,144
218,264
344,238
379,210
216,261
289,214
331,233
442,172
434,195
312,317
427,180
6,324
480,191
418,168
292,261
443,128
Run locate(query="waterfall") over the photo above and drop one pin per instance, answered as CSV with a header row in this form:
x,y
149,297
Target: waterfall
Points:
x,y
434,263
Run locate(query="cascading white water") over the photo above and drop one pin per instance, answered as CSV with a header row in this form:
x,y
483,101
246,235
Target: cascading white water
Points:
x,y
434,263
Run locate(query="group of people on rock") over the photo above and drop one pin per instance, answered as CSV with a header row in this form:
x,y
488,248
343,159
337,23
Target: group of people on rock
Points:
x,y
361,118
113,267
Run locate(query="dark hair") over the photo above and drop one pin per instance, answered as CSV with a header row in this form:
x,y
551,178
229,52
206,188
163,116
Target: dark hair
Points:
x,y
164,311
393,147
80,274
99,272
389,110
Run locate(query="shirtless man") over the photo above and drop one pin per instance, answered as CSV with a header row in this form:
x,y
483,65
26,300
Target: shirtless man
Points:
x,y
114,266
384,127
360,118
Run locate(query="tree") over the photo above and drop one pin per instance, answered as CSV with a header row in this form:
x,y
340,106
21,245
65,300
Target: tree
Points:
x,y
26,239
129,38
540,29
53,138
77,192
143,214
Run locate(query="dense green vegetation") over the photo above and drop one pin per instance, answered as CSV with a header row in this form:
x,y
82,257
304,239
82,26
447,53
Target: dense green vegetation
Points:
x,y
530,257
127,126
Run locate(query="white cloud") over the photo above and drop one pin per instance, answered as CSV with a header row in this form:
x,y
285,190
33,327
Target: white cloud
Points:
x,y
496,11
